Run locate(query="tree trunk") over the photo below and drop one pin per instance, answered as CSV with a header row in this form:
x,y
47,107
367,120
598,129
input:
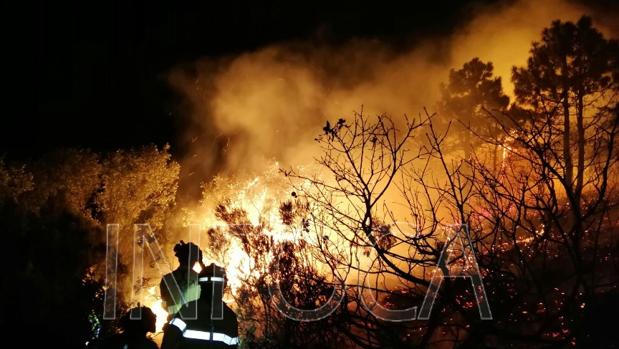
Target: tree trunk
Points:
x,y
581,145
567,155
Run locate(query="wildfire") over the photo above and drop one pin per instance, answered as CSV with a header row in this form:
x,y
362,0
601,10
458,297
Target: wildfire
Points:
x,y
260,197
238,267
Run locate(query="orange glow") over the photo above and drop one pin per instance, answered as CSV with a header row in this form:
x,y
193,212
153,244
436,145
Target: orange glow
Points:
x,y
154,302
260,198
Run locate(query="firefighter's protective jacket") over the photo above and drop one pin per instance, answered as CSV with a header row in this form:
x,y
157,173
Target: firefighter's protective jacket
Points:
x,y
205,323
188,289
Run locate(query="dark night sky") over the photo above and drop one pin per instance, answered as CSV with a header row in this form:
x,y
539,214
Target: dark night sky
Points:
x,y
94,73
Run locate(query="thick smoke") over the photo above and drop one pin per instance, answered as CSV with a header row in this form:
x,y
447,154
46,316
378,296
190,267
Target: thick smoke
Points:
x,y
268,105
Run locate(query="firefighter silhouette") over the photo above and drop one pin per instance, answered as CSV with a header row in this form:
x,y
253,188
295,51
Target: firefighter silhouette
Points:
x,y
184,277
135,324
207,322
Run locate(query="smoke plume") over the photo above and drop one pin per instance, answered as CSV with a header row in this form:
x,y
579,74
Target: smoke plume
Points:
x,y
259,107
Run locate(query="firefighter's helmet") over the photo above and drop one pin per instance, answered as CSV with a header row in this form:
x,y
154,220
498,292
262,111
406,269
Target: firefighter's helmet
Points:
x,y
187,251
138,320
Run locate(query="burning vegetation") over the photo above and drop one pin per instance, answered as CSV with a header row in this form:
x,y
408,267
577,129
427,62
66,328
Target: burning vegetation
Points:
x,y
363,215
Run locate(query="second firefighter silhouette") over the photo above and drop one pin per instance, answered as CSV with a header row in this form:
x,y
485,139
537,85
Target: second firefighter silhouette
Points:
x,y
207,322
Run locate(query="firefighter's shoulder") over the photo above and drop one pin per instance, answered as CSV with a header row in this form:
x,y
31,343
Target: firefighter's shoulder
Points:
x,y
228,312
